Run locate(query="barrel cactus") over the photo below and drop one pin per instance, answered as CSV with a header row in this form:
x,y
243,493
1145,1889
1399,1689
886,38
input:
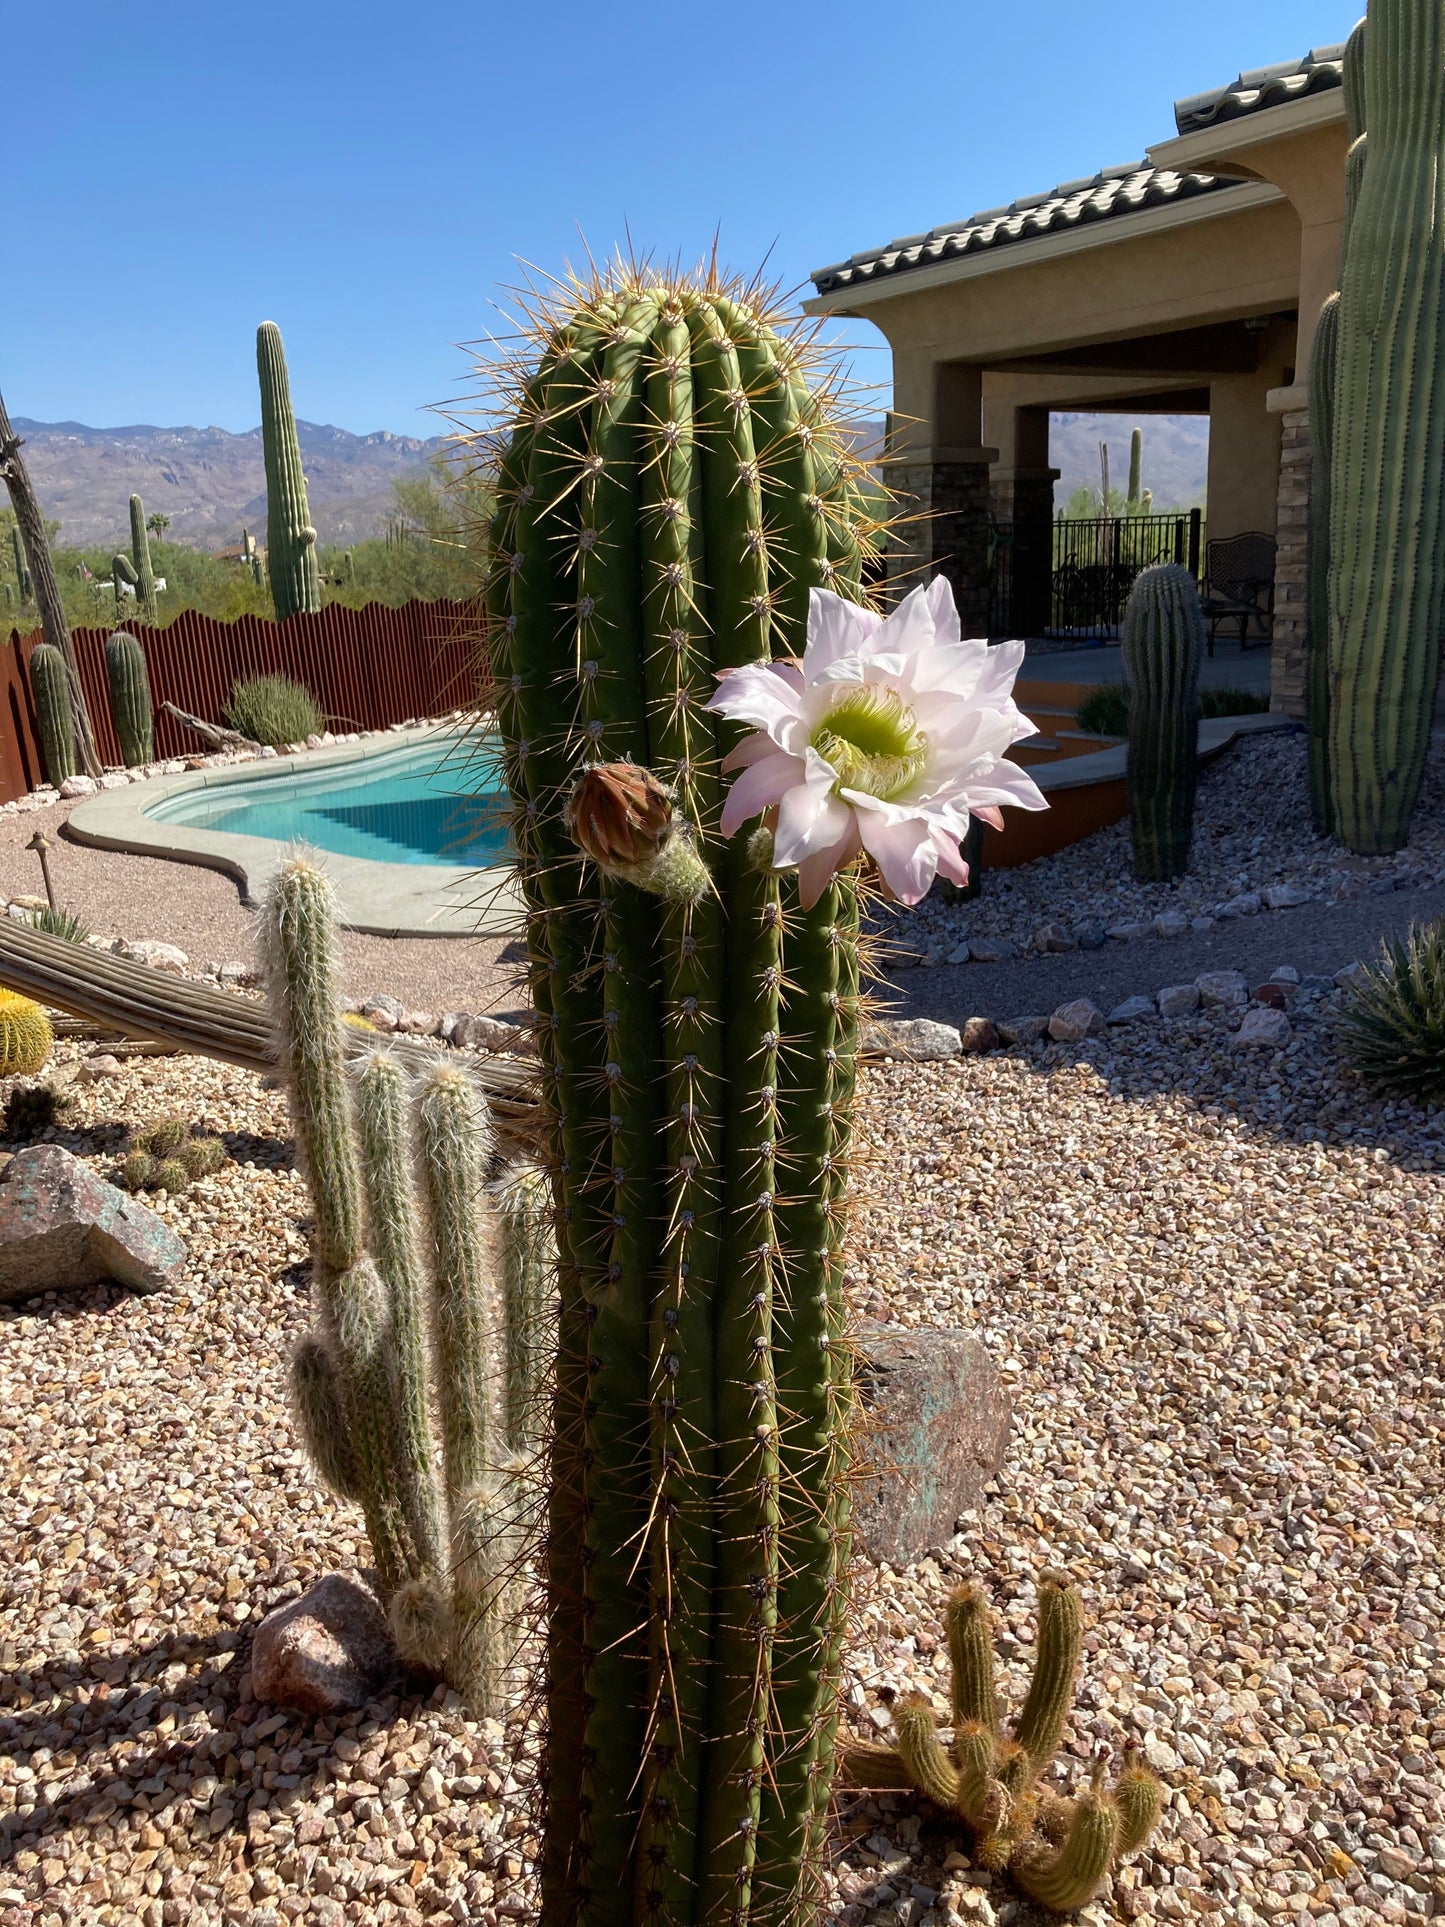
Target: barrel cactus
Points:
x,y
669,492
410,1316
25,1035
54,708
140,548
1163,647
1387,516
130,698
290,539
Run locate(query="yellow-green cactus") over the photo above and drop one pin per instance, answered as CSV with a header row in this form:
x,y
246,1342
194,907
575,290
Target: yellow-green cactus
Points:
x,y
25,1035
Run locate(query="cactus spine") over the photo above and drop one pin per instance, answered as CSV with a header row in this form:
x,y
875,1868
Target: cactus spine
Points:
x,y
130,698
406,1315
1387,516
1135,502
25,1035
290,539
1058,1851
22,567
140,546
50,685
670,492
1163,647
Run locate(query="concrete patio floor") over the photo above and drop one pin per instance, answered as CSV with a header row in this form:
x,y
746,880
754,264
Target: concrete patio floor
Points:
x,y
1228,668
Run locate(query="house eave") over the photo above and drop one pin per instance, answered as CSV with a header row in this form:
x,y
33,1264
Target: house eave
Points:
x,y
1215,150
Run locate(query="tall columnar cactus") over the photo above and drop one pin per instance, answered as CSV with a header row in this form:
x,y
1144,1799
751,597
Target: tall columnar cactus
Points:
x,y
1136,471
130,698
1387,513
409,1319
50,686
670,491
1163,647
22,567
1059,1851
290,539
1323,359
140,548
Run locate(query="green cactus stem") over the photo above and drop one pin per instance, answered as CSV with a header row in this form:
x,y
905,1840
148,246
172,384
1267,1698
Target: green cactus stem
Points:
x,y
290,538
523,1196
50,686
140,548
130,698
22,567
1136,472
1387,518
1163,648
670,492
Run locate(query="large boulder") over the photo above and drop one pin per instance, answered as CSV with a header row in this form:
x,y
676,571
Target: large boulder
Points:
x,y
936,1418
326,1652
62,1227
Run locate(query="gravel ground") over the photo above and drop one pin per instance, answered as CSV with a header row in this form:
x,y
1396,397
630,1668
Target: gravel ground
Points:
x,y
1212,1283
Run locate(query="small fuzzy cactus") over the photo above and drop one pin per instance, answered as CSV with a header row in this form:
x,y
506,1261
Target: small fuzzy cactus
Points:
x,y
138,1170
130,698
1058,1851
290,538
169,1156
55,709
1163,647
411,1326
25,1035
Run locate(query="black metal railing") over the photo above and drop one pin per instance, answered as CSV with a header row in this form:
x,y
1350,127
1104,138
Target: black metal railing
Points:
x,y
1096,561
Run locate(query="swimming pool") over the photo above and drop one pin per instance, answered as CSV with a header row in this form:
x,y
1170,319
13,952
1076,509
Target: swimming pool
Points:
x,y
437,802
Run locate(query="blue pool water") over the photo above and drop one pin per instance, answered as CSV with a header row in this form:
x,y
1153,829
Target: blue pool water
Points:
x,y
426,803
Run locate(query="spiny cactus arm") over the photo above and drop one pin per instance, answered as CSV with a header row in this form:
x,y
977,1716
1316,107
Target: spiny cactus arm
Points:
x,y
1353,79
983,1799
921,1751
868,1763
123,569
523,1197
1140,1797
1067,1876
968,1622
140,543
320,1412
383,1118
1040,1727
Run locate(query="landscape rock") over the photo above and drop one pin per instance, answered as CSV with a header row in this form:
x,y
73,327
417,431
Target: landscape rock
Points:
x,y
960,954
420,1023
1052,940
1127,932
326,1652
979,1036
78,786
1178,1000
62,1228
1023,1030
235,974
93,1069
1247,905
992,950
1285,974
1350,976
937,1415
918,1039
113,779
1261,1026
1170,923
1072,1023
1285,896
383,1005
1275,996
471,1032
1222,990
1200,924
1092,936
149,950
1131,1010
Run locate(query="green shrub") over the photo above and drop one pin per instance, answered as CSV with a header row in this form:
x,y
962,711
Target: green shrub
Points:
x,y
1392,1024
1105,712
274,710
58,923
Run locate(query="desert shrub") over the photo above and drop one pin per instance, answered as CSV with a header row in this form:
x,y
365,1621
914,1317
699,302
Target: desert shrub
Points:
x,y
1105,712
274,710
1391,1025
58,923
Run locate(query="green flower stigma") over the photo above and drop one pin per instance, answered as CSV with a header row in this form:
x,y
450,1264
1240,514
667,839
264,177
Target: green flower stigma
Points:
x,y
872,738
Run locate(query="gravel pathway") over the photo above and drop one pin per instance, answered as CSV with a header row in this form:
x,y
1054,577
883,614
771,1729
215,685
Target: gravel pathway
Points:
x,y
1213,1283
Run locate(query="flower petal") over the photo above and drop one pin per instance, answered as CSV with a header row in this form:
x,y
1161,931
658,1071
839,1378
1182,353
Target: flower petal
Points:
x,y
810,817
760,786
950,858
755,693
905,852
816,872
836,628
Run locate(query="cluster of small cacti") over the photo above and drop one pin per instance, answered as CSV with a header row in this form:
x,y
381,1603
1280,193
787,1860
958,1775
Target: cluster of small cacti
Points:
x,y
1386,511
670,492
25,1035
1163,648
130,698
169,1156
54,710
290,538
31,1109
432,1306
1058,1850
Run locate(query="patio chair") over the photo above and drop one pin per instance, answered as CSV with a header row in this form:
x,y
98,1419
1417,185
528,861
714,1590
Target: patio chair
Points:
x,y
1239,585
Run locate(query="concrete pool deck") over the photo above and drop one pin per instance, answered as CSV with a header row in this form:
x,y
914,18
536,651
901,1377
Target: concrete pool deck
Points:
x,y
377,899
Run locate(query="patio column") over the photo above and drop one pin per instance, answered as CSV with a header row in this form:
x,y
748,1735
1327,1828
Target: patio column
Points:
x,y
1023,499
936,465
1291,574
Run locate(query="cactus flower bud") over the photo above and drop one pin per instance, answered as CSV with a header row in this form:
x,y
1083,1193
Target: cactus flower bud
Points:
x,y
624,820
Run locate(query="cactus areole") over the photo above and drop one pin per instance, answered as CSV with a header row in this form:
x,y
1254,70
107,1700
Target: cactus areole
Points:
x,y
669,492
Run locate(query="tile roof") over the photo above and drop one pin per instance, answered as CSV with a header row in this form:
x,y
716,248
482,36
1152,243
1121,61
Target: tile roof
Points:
x,y
1112,192
1321,69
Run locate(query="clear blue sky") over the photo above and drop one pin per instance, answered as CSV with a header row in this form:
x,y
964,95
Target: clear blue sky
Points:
x,y
368,176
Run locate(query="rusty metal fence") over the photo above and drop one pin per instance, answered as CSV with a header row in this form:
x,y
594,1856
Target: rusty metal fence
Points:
x,y
366,668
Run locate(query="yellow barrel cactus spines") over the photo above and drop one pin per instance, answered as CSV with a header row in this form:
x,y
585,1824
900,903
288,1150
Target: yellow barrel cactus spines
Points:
x,y
25,1035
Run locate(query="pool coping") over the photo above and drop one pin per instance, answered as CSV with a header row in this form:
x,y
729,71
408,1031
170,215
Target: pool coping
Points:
x,y
376,899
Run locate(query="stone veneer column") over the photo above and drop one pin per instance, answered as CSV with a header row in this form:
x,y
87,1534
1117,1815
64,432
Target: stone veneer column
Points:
x,y
1291,576
944,502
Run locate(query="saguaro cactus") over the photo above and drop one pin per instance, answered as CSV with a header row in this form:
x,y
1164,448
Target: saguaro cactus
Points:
x,y
140,547
1059,1851
1136,472
1324,356
409,1317
22,567
50,686
1163,647
130,697
669,493
1387,516
290,539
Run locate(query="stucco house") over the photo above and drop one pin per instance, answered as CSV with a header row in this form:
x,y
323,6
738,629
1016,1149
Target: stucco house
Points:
x,y
1188,282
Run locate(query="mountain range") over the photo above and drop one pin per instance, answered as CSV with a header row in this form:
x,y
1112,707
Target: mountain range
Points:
x,y
1176,455
211,483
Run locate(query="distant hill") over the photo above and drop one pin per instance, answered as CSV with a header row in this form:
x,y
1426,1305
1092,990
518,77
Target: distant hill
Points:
x,y
209,482
1176,455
